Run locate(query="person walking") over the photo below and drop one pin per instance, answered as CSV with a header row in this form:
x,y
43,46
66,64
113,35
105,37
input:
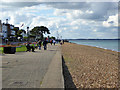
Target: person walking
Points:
x,y
45,44
28,47
61,42
51,41
54,42
39,44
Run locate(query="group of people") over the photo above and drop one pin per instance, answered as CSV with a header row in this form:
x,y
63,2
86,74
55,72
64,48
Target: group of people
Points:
x,y
29,47
52,41
44,44
39,44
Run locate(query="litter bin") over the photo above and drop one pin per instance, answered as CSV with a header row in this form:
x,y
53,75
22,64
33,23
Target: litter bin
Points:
x,y
9,50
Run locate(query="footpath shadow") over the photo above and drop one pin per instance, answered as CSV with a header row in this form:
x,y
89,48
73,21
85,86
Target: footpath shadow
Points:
x,y
52,50
68,82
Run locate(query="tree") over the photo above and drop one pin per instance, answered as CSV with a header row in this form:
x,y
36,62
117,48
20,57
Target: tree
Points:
x,y
38,31
52,37
21,31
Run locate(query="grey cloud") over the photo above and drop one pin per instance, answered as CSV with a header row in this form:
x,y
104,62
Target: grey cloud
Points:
x,y
68,5
20,4
111,22
101,10
12,6
104,8
84,5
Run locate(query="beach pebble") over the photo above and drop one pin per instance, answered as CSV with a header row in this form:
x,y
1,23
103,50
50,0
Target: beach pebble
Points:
x,y
92,67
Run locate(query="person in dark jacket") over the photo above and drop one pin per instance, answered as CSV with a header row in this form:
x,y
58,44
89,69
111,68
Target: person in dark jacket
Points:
x,y
51,41
32,46
39,44
45,44
28,47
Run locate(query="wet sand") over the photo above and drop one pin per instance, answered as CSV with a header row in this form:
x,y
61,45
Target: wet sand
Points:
x,y
91,67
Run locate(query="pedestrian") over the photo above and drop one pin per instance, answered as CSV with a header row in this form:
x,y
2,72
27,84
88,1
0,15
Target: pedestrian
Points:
x,y
54,42
45,44
36,45
61,42
28,47
32,46
39,44
51,41
47,39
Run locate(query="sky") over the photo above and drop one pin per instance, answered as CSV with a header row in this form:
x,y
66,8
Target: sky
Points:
x,y
72,20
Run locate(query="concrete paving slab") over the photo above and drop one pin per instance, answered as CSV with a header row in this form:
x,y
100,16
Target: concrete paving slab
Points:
x,y
28,69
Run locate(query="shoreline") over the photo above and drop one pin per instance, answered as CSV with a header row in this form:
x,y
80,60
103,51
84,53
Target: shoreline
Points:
x,y
91,67
97,47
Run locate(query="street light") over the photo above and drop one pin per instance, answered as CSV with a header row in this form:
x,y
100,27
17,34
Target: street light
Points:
x,y
57,35
27,33
61,37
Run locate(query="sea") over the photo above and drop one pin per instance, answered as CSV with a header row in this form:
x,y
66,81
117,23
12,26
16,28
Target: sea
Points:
x,y
105,44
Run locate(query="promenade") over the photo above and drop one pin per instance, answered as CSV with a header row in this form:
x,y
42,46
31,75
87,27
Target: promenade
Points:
x,y
39,69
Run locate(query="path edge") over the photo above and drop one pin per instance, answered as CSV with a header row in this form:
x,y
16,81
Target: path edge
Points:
x,y
54,76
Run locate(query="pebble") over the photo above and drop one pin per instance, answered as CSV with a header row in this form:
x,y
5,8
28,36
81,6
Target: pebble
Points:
x,y
93,67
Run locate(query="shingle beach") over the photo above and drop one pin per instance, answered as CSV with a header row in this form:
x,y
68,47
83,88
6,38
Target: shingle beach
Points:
x,y
91,67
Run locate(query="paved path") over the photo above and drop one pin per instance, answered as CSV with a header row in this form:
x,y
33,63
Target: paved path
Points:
x,y
27,69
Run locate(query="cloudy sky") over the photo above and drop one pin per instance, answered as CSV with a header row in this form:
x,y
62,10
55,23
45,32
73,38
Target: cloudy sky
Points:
x,y
72,20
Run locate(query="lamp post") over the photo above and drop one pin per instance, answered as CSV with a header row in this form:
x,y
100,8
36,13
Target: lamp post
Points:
x,y
27,34
61,37
57,35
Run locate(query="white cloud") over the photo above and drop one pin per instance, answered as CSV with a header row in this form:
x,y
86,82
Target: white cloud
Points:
x,y
95,30
59,12
111,21
65,28
89,12
72,20
76,27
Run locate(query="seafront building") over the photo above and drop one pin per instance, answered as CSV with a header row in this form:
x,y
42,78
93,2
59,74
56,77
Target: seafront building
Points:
x,y
4,31
8,31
